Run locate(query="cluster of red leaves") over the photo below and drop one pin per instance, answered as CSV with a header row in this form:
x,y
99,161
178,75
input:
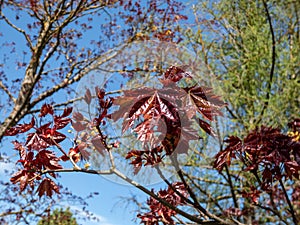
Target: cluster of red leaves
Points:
x,y
149,157
161,213
145,109
34,156
84,125
266,149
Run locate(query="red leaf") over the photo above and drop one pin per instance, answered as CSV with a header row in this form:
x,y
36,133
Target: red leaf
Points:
x,y
97,143
253,194
24,177
20,128
175,73
292,169
207,128
47,159
60,122
78,116
67,112
201,99
84,153
25,127
64,158
11,131
88,96
20,148
55,136
46,109
224,157
17,176
134,153
23,181
36,142
47,187
78,126
100,93
159,212
152,108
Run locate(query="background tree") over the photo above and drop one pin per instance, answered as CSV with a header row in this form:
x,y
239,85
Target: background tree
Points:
x,y
253,49
59,217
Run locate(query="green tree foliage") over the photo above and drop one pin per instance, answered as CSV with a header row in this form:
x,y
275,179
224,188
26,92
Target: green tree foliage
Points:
x,y
59,217
253,49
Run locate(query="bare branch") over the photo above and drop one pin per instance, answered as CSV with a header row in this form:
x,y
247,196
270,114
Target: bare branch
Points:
x,y
5,89
19,30
266,103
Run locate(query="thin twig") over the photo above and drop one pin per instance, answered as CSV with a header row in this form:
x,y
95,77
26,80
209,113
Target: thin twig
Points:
x,y
5,89
289,202
266,103
19,30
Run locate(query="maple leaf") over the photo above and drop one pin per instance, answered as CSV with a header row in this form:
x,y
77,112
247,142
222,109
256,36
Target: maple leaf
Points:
x,y
47,159
36,141
44,137
161,213
60,122
151,108
78,116
175,73
88,96
54,137
25,176
253,194
97,143
20,128
146,157
46,109
16,176
22,151
137,162
67,112
207,128
292,168
100,93
79,126
47,187
202,100
224,157
146,110
132,100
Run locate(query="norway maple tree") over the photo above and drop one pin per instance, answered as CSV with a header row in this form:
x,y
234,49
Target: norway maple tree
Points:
x,y
253,177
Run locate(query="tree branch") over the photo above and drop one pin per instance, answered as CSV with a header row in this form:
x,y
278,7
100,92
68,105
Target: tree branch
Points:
x,y
5,89
292,211
18,29
266,103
